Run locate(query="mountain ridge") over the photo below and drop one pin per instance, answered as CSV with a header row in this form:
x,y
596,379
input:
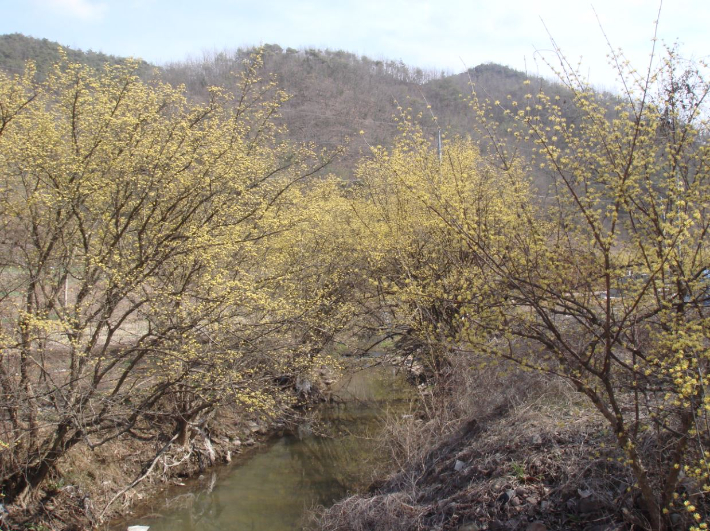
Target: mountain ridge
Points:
x,y
334,94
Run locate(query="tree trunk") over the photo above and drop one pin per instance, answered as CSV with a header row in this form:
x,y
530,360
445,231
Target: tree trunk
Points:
x,y
21,483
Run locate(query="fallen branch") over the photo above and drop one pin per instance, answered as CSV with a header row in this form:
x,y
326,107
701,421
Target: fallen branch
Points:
x,y
139,478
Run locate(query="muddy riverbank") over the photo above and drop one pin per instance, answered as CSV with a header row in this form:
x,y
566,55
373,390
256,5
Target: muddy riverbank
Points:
x,y
272,486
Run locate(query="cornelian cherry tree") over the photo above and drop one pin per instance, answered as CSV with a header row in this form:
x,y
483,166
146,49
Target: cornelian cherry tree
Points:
x,y
604,281
136,283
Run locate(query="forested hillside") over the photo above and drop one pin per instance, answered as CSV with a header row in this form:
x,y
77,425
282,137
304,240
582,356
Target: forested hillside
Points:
x,y
16,49
335,97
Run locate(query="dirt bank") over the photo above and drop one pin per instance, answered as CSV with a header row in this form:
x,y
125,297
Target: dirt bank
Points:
x,y
539,459
90,487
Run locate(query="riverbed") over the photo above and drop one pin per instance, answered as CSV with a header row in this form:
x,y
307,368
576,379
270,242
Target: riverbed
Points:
x,y
276,485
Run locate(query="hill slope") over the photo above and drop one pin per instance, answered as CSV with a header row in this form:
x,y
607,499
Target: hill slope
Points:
x,y
335,95
16,49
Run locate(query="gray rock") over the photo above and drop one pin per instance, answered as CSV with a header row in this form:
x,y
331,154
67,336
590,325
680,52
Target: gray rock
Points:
x,y
585,493
471,526
506,496
459,465
257,428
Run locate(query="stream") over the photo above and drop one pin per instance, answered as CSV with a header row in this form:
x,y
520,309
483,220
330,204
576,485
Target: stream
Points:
x,y
274,487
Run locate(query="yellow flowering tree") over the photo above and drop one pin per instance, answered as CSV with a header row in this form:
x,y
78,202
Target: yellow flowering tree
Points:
x,y
416,213
137,284
605,279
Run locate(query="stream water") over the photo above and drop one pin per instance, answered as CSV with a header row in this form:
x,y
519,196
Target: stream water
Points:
x,y
274,487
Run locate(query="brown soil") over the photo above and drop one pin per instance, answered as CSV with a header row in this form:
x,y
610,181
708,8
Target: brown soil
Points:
x,y
88,488
541,461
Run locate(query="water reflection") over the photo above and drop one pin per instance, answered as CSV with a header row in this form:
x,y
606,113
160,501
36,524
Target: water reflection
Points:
x,y
273,488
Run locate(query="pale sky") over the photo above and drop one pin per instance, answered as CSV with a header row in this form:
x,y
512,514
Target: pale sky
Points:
x,y
443,35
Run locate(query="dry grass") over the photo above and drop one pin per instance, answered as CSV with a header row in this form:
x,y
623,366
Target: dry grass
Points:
x,y
499,449
397,511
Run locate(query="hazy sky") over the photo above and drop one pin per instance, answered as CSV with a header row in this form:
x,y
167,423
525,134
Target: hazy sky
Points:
x,y
444,35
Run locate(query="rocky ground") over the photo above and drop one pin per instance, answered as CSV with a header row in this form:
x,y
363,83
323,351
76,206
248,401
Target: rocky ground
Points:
x,y
541,463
